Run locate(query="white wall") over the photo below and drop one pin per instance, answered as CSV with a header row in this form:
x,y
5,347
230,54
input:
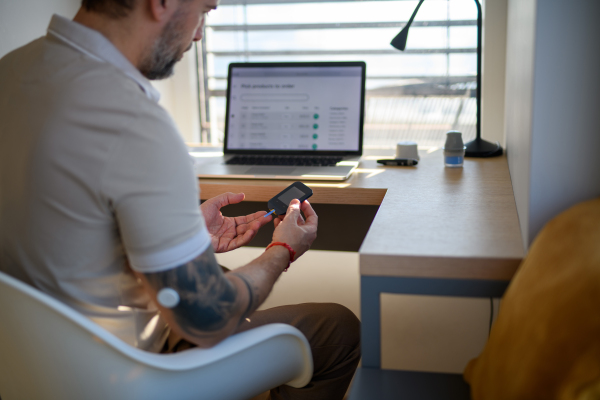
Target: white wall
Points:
x,y
565,143
518,104
179,96
552,107
22,21
493,70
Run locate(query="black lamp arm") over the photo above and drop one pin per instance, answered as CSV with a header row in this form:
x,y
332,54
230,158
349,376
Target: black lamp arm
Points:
x,y
478,147
399,41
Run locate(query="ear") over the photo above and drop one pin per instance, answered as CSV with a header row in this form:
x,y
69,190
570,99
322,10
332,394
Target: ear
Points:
x,y
161,10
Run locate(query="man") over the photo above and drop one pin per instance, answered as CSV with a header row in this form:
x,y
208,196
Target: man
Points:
x,y
99,200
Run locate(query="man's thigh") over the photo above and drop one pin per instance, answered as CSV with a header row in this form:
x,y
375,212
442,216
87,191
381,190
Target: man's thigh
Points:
x,y
321,323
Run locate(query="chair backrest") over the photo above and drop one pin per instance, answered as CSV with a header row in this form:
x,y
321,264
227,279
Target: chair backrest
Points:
x,y
50,351
38,338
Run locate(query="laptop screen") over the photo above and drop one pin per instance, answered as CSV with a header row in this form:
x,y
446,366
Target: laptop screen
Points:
x,y
295,108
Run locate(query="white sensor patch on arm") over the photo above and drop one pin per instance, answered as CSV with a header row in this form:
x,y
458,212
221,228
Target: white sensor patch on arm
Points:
x,y
168,297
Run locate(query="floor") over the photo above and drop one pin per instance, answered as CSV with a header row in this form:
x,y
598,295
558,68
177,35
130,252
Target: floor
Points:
x,y
421,333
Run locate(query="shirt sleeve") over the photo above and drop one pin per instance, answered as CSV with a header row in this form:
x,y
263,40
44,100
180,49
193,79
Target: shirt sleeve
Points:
x,y
153,192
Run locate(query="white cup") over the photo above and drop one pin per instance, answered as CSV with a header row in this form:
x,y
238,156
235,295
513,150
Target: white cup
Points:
x,y
407,150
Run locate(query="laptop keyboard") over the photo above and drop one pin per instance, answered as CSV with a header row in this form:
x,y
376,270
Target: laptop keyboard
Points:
x,y
310,161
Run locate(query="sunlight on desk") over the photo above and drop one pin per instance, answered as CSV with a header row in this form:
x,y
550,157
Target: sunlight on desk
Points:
x,y
371,172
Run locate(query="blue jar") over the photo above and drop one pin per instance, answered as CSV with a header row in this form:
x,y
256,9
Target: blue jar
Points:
x,y
454,150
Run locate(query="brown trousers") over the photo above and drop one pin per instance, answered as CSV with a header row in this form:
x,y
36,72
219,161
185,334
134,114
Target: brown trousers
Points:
x,y
333,333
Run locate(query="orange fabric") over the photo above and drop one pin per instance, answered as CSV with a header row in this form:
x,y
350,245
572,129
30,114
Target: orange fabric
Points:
x,y
545,343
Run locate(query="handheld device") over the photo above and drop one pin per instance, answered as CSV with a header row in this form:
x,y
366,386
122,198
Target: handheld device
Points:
x,y
404,162
280,203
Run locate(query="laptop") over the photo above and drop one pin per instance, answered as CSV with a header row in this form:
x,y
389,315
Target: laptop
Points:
x,y
297,121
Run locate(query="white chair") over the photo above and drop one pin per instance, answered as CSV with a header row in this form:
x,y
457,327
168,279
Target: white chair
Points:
x,y
50,351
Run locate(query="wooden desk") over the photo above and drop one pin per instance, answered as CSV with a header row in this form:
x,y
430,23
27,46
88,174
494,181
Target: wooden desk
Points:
x,y
438,231
433,222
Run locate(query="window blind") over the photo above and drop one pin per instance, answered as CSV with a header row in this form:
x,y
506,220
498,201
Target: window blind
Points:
x,y
418,94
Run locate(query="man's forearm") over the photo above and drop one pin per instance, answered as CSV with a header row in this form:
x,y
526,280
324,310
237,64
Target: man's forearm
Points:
x,y
260,275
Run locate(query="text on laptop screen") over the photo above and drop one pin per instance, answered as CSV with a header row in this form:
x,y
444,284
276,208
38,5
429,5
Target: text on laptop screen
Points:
x,y
295,108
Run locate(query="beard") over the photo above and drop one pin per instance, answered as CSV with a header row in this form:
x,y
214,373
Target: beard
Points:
x,y
166,51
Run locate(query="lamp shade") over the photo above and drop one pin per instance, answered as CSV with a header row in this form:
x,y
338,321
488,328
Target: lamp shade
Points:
x,y
399,42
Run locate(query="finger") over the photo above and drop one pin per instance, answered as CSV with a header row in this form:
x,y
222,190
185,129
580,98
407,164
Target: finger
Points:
x,y
241,240
309,213
257,216
293,211
307,209
226,199
276,222
256,224
300,220
253,225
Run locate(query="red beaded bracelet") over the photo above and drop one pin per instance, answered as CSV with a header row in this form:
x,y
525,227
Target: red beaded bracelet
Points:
x,y
287,246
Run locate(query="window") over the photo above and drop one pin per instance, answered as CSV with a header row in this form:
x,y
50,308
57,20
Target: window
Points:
x,y
418,94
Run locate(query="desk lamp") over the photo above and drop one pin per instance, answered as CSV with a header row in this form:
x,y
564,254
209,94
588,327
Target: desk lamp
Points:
x,y
477,147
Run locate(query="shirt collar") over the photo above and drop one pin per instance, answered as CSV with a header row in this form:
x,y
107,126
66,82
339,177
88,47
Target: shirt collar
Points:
x,y
95,45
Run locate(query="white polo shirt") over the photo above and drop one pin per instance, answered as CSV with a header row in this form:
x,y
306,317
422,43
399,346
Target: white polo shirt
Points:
x,y
94,180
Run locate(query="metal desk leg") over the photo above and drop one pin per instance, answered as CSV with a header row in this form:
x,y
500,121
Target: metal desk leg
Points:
x,y
371,288
370,328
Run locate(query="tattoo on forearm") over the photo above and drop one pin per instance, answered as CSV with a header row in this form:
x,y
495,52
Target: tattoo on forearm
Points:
x,y
253,297
207,298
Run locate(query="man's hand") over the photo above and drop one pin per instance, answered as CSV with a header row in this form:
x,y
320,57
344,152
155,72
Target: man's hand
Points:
x,y
294,230
229,233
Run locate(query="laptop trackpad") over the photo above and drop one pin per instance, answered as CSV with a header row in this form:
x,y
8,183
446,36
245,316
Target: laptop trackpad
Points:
x,y
271,170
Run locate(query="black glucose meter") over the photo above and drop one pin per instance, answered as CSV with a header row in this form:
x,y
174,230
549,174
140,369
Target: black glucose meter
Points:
x,y
280,203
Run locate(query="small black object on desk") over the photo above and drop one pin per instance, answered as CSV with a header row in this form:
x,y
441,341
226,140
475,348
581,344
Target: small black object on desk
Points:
x,y
400,162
